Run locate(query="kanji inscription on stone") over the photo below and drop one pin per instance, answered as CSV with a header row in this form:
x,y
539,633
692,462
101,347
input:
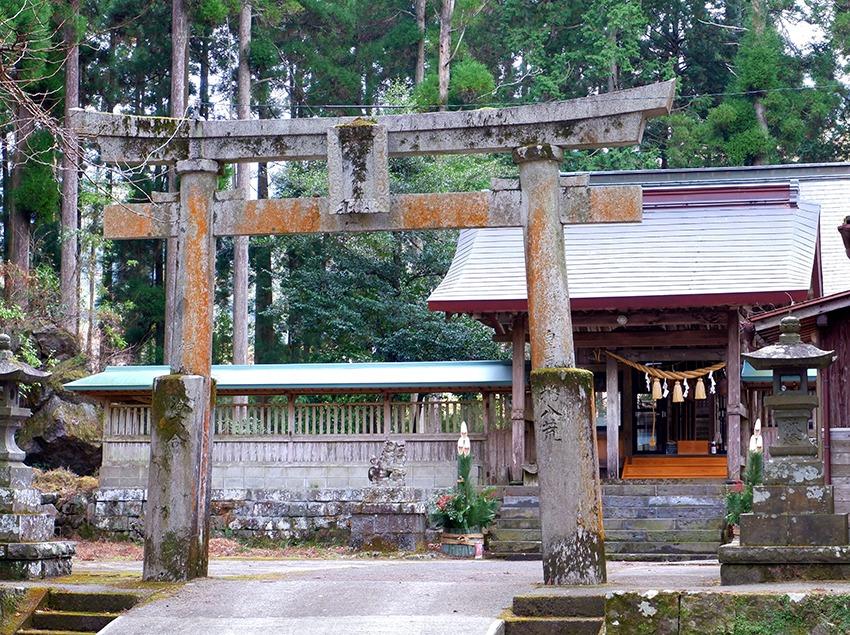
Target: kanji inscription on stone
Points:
x,y
358,172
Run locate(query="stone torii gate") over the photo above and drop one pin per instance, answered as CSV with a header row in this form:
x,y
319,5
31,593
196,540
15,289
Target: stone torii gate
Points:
x,y
357,152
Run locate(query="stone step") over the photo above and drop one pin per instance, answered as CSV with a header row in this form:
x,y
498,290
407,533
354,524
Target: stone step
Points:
x,y
676,537
559,605
519,512
503,534
662,501
40,631
655,488
658,557
517,490
70,620
520,501
499,555
518,523
91,602
518,625
703,511
664,524
707,547
515,546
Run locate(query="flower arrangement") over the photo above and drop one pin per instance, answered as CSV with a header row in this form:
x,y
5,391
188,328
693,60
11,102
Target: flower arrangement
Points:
x,y
739,500
465,509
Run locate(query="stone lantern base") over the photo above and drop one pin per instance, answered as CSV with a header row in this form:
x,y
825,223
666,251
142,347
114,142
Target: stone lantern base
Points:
x,y
793,532
27,550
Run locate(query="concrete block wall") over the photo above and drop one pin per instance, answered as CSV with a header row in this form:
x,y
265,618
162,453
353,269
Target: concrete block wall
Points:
x,y
427,475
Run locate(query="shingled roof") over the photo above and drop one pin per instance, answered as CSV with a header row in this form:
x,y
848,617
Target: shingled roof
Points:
x,y
697,246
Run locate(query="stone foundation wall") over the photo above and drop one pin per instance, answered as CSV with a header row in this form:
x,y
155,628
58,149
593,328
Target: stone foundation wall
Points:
x,y
371,518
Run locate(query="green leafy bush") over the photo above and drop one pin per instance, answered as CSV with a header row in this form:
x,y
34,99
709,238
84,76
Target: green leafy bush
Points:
x,y
466,508
740,499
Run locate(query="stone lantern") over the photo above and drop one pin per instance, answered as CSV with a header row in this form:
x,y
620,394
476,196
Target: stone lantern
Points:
x,y
793,532
26,526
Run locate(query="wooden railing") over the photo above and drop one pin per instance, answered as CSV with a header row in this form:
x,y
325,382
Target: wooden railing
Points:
x,y
377,418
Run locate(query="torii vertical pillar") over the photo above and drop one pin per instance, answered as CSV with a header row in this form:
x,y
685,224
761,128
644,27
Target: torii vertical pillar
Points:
x,y
570,494
177,520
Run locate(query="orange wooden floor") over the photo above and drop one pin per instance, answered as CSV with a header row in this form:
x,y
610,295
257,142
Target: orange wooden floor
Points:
x,y
675,466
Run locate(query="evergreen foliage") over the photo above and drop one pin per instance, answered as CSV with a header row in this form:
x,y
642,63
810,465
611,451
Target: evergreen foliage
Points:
x,y
748,93
740,499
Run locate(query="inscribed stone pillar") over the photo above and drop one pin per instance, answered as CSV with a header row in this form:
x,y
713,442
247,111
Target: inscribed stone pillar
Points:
x,y
177,515
570,494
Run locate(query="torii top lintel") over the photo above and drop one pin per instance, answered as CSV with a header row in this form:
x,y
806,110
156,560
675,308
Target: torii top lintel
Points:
x,y
606,120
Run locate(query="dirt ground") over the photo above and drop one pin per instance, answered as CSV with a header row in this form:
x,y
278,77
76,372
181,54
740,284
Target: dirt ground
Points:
x,y
98,550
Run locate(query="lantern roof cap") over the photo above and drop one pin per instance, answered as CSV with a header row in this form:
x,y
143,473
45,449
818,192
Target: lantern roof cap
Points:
x,y
790,351
16,371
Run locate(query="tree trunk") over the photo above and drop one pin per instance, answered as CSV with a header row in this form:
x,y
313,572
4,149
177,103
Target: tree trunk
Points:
x,y
420,50
68,272
243,184
265,344
18,239
204,63
444,70
177,102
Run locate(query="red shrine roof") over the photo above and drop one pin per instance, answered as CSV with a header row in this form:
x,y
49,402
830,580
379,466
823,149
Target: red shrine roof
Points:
x,y
697,246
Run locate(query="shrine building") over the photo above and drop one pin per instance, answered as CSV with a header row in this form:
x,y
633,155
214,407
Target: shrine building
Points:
x,y
660,311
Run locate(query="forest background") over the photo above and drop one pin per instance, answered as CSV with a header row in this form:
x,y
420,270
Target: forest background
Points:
x,y
759,81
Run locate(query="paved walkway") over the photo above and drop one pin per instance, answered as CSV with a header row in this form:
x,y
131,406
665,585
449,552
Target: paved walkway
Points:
x,y
377,597
382,597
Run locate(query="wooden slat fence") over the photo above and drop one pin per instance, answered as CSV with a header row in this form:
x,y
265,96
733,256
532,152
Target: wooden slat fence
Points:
x,y
323,418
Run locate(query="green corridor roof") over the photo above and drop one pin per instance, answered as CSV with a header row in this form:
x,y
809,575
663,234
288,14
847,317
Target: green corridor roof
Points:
x,y
750,375
307,378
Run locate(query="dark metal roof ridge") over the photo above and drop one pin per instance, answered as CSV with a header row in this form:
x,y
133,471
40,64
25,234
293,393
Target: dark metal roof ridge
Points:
x,y
721,175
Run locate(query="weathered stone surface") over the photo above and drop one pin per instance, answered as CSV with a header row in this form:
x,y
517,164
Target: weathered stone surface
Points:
x,y
38,550
793,529
20,501
644,613
559,605
754,573
177,511
792,470
358,168
15,475
608,119
702,613
25,527
734,553
777,499
570,501
34,569
26,561
64,432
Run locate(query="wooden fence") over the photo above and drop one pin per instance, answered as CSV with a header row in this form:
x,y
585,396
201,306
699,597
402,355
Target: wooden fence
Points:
x,y
323,433
379,418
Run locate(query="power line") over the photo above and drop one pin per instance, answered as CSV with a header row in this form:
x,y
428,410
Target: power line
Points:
x,y
507,104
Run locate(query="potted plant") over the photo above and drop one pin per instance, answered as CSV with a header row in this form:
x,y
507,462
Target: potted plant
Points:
x,y
739,499
463,514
